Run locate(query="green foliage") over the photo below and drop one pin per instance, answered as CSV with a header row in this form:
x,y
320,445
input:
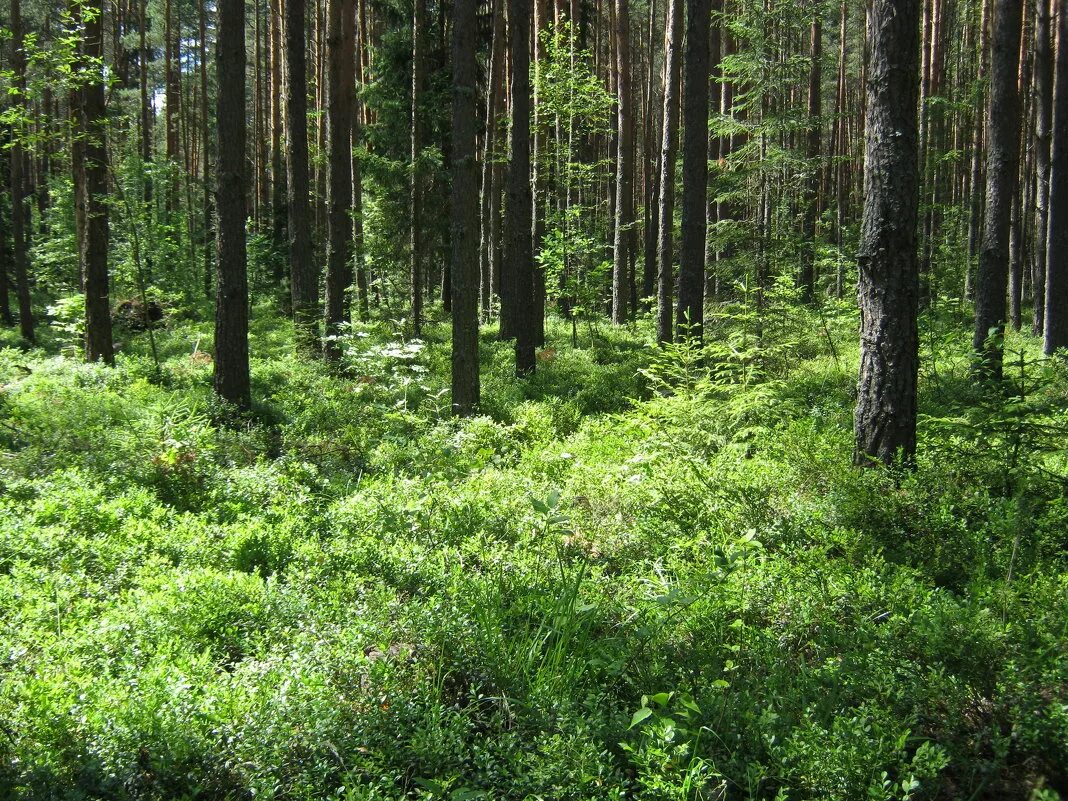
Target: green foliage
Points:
x,y
645,572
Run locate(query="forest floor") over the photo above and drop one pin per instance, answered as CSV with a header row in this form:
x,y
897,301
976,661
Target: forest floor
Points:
x,y
631,577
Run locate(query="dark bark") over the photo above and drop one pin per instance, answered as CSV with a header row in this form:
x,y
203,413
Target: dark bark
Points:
x,y
416,197
624,217
303,281
341,80
1002,172
668,144
231,273
464,209
1056,322
518,257
278,176
94,253
690,313
20,217
888,263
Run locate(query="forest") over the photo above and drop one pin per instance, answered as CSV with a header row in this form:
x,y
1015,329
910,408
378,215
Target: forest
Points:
x,y
533,400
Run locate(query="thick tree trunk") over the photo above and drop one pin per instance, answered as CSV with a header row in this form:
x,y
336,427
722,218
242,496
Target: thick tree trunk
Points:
x,y
303,281
690,313
885,416
341,82
98,345
978,140
278,176
416,197
665,280
518,256
1002,172
624,217
464,209
1056,322
231,298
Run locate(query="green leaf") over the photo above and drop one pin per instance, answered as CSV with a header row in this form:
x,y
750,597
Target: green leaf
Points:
x,y
639,716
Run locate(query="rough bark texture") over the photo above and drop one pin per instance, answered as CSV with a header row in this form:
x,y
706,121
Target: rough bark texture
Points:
x,y
519,256
231,272
1042,137
1002,171
20,228
888,263
94,257
416,199
304,284
464,210
1056,322
690,313
668,144
625,167
341,82
278,176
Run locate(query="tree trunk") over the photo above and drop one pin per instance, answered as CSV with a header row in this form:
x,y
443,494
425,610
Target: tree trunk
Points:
x,y
20,228
341,82
1003,151
519,257
1056,322
624,217
231,298
978,139
464,209
888,291
690,313
416,199
807,280
278,177
665,281
98,345
1043,135
303,281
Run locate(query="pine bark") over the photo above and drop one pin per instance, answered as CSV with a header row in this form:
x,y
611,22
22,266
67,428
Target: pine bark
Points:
x,y
665,280
1042,139
624,216
231,274
811,211
518,257
690,313
416,189
1056,318
341,82
303,281
464,207
1002,171
20,217
98,344
888,291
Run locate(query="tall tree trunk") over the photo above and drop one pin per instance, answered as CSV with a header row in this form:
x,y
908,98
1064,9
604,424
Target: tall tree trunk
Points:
x,y
1043,135
464,210
1056,322
715,146
231,298
1003,151
357,190
652,163
205,136
98,345
665,280
624,218
978,140
278,177
811,212
341,82
690,313
20,218
518,256
416,199
303,281
885,416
